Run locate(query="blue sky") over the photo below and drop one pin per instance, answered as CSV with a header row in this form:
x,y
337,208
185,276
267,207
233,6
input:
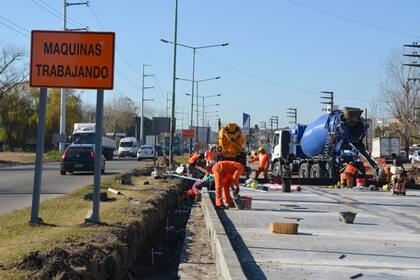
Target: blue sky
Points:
x,y
276,47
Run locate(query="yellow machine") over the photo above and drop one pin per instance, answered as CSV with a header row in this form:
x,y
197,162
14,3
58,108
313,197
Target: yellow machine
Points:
x,y
231,144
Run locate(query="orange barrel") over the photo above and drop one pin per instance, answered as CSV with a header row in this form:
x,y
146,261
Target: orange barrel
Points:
x,y
360,182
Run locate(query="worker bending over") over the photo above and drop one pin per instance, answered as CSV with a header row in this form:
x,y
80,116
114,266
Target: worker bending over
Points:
x,y
196,165
348,174
264,162
226,176
210,158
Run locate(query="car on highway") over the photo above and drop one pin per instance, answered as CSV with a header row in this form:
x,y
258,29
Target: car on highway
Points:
x,y
415,156
79,157
146,152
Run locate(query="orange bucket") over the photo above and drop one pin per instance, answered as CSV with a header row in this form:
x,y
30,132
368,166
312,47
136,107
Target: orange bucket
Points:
x,y
360,182
247,201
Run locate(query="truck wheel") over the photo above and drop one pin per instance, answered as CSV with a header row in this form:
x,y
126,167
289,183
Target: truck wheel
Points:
x,y
277,169
304,170
315,171
63,172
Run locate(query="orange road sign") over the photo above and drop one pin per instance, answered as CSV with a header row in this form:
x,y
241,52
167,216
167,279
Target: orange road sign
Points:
x,y
188,133
68,59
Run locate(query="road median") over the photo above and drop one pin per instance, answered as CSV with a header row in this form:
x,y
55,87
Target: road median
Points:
x,y
66,248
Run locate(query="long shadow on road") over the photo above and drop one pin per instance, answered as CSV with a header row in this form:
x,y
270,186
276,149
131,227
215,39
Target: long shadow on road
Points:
x,y
247,261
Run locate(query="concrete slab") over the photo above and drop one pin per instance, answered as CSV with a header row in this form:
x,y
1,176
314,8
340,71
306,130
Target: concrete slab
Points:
x,y
383,243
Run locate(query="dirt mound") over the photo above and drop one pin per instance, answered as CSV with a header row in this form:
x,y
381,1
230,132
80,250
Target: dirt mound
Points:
x,y
110,254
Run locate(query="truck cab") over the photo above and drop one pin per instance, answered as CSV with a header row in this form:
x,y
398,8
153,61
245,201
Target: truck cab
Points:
x,y
84,133
287,152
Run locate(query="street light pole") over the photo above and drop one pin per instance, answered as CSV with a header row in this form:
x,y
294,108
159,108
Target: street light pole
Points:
x,y
63,91
142,101
171,137
192,99
193,75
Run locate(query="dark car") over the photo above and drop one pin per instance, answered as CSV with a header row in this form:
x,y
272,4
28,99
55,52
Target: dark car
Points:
x,y
79,157
159,150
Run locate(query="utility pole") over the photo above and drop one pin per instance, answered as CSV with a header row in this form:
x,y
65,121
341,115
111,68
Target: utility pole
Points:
x,y
329,96
143,100
291,113
64,91
274,120
172,125
264,126
168,106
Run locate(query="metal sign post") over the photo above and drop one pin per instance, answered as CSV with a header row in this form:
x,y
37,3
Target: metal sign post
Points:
x,y
81,60
98,157
35,219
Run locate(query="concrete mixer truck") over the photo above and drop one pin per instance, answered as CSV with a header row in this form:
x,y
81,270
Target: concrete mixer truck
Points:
x,y
320,149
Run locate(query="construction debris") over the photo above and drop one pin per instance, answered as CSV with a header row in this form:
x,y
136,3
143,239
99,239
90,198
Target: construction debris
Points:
x,y
114,191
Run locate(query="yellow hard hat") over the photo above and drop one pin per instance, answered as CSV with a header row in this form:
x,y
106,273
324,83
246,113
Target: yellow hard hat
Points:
x,y
261,148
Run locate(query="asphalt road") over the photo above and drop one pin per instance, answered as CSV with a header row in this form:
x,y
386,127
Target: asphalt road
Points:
x,y
16,182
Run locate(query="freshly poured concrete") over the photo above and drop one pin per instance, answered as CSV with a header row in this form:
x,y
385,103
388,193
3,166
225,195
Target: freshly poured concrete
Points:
x,y
383,243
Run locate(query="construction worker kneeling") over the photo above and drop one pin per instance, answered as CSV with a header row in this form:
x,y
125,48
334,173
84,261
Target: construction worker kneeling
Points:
x,y
264,162
226,176
348,174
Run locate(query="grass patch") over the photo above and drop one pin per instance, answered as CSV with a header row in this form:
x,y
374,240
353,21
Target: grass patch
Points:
x,y
64,218
27,158
181,159
53,155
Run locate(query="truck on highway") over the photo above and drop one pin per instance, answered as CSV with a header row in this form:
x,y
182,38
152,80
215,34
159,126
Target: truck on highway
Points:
x,y
320,149
84,133
385,147
127,147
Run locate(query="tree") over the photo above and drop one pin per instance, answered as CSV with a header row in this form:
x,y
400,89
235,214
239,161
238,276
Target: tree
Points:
x,y
88,113
400,96
120,115
17,118
52,117
12,73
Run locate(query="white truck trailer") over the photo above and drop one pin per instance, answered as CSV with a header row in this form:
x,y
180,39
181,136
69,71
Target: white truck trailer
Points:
x,y
385,147
84,133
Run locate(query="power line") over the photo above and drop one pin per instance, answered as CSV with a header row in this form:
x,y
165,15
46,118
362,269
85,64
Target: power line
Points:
x,y
271,81
256,76
15,24
48,8
354,20
14,29
94,11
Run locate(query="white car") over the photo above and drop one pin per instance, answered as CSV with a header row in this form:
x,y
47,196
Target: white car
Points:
x,y
415,157
146,152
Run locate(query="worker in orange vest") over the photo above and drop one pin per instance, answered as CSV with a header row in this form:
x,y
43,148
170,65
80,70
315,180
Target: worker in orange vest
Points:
x,y
195,165
226,175
210,157
264,162
348,174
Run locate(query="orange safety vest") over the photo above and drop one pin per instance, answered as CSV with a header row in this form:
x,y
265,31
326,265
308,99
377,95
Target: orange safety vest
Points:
x,y
210,155
193,159
228,167
350,169
263,159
